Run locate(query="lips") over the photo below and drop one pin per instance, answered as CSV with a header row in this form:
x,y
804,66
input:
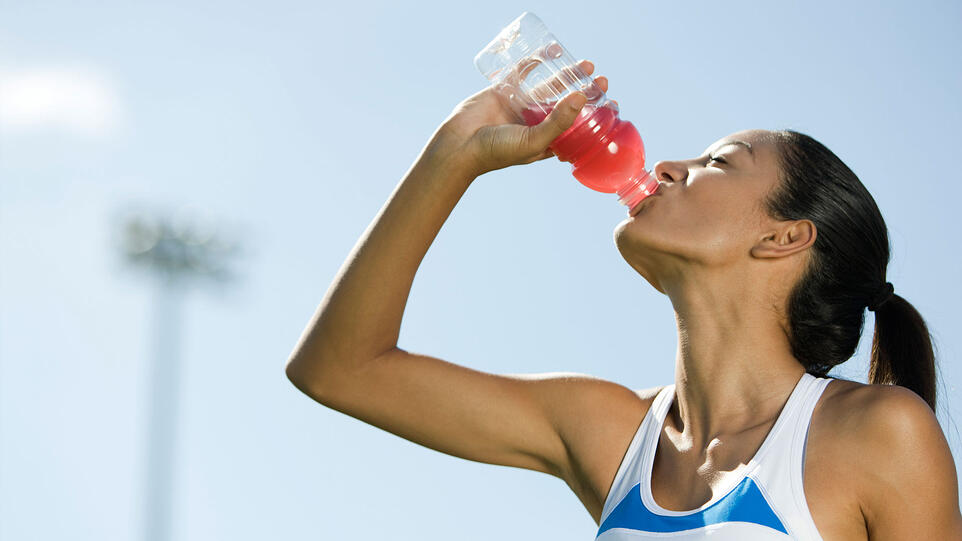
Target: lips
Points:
x,y
637,208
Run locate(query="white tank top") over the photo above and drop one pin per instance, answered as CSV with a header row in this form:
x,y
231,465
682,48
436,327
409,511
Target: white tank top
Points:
x,y
764,501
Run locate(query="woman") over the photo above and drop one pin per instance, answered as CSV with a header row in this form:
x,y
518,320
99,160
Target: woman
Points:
x,y
770,249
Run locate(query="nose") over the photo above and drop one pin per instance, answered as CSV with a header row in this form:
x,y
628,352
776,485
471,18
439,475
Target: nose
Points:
x,y
671,171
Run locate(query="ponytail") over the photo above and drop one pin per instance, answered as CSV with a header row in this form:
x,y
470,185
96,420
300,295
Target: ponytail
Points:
x,y
902,349
826,308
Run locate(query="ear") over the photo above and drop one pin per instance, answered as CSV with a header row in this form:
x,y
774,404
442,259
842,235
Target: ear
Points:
x,y
787,238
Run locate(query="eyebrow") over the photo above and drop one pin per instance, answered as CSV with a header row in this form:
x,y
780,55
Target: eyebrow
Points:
x,y
739,142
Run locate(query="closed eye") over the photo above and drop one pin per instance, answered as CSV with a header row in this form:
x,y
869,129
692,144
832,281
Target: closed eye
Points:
x,y
718,159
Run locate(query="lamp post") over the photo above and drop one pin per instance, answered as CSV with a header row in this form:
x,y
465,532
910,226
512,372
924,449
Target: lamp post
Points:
x,y
176,254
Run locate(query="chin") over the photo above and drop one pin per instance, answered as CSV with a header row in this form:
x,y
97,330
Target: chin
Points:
x,y
638,252
630,238
620,228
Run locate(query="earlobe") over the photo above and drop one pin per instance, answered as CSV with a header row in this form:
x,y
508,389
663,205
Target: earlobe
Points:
x,y
789,238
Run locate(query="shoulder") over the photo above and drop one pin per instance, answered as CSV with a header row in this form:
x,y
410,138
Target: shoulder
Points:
x,y
860,406
879,420
903,473
870,415
648,395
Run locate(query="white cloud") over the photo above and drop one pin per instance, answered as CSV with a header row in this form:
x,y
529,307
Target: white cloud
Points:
x,y
80,101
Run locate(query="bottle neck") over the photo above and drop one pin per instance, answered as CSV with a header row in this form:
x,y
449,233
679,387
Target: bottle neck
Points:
x,y
636,188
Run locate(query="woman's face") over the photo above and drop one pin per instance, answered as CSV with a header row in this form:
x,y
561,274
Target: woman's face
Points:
x,y
708,211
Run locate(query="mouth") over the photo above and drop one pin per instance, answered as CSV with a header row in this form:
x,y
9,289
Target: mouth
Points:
x,y
637,208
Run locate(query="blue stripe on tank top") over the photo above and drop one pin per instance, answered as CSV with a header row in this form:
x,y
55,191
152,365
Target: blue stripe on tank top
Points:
x,y
745,503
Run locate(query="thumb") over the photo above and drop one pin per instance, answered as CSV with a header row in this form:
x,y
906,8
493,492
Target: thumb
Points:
x,y
560,119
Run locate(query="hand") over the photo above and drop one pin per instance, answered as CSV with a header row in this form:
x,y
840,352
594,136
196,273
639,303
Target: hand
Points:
x,y
486,135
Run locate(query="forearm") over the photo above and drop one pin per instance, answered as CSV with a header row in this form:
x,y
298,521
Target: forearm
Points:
x,y
360,315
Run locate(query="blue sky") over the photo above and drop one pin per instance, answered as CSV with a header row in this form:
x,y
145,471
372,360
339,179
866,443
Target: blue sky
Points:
x,y
286,125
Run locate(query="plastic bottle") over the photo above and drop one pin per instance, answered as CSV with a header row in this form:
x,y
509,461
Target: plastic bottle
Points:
x,y
530,68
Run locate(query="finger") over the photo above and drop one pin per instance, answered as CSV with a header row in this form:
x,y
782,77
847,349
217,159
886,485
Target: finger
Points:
x,y
539,136
570,79
548,153
558,81
602,82
543,156
567,79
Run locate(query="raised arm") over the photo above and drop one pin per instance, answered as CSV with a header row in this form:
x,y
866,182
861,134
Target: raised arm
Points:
x,y
359,318
348,358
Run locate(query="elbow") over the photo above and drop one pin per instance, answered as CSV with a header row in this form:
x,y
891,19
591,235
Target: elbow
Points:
x,y
312,378
322,379
297,376
291,371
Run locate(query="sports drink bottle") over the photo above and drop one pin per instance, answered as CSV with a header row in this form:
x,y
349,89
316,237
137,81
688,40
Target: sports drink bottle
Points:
x,y
532,71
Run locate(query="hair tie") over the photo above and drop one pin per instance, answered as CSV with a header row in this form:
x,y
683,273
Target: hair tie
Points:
x,y
882,297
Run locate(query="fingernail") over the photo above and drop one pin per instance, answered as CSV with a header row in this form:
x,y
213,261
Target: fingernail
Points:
x,y
578,101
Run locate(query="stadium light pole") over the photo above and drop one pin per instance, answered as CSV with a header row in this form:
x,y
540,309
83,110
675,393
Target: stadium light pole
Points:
x,y
177,254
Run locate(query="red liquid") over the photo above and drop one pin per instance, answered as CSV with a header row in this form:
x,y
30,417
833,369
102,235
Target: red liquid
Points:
x,y
607,152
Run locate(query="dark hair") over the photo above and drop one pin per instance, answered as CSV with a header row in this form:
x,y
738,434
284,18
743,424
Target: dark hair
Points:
x,y
846,271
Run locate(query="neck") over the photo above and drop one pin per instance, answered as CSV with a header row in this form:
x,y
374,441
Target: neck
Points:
x,y
733,368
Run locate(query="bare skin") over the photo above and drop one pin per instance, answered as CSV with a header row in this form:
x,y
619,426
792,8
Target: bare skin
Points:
x,y
877,464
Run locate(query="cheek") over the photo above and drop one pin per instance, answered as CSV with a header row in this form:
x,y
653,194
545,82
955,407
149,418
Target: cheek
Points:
x,y
709,218
700,226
